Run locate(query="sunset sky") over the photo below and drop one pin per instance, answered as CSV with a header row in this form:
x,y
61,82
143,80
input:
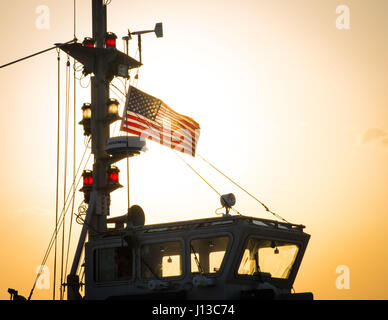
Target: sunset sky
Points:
x,y
292,107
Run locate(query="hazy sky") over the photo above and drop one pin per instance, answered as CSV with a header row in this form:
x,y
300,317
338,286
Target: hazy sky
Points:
x,y
291,105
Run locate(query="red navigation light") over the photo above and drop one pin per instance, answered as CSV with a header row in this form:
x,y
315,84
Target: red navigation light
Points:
x,y
88,180
111,43
114,177
88,184
110,40
88,42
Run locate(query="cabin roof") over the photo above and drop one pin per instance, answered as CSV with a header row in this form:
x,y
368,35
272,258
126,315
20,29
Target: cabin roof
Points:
x,y
219,221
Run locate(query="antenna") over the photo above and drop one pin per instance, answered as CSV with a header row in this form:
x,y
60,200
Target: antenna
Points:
x,y
158,32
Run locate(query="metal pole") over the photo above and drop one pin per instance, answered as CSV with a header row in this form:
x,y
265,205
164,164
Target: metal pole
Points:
x,y
99,127
95,221
82,237
57,46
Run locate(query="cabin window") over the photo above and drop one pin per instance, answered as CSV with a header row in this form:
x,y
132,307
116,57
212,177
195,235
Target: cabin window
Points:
x,y
207,254
160,260
273,257
114,264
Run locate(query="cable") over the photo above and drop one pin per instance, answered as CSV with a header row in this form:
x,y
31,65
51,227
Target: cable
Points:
x,y
236,184
49,248
57,46
53,237
74,160
81,212
122,103
197,173
75,18
128,181
62,216
67,95
115,128
114,86
57,186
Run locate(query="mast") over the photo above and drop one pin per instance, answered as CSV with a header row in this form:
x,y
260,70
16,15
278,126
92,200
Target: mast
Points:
x,y
99,124
104,62
99,203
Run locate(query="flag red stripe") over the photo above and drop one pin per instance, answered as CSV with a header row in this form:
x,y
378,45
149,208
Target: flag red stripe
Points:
x,y
164,125
146,122
188,119
169,113
175,124
183,139
150,123
181,147
164,137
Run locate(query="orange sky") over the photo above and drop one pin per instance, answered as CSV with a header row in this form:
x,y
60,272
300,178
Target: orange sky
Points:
x,y
290,106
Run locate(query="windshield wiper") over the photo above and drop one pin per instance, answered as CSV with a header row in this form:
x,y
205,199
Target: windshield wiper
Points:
x,y
258,271
196,260
149,268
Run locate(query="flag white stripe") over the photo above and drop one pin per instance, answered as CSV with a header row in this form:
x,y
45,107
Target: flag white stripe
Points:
x,y
189,135
169,112
160,122
188,119
168,128
168,138
159,118
134,114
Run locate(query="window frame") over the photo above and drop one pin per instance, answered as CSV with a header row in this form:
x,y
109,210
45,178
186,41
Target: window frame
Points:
x,y
96,266
151,242
252,277
226,256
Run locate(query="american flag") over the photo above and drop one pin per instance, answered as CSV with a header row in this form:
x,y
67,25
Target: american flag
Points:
x,y
149,117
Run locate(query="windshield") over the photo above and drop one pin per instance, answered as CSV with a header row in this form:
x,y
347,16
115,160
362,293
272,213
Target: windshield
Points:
x,y
269,256
207,254
161,260
113,264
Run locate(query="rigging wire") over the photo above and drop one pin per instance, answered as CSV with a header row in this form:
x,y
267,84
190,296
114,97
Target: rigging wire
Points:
x,y
79,68
118,89
67,94
122,102
210,164
57,46
75,18
57,186
74,162
127,133
55,234
80,81
136,78
62,216
236,184
115,127
199,175
82,256
81,271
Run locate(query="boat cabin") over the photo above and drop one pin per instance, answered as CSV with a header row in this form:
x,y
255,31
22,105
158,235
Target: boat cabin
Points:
x,y
226,257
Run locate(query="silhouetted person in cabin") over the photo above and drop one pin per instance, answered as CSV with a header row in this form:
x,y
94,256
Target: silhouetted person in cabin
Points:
x,y
123,259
